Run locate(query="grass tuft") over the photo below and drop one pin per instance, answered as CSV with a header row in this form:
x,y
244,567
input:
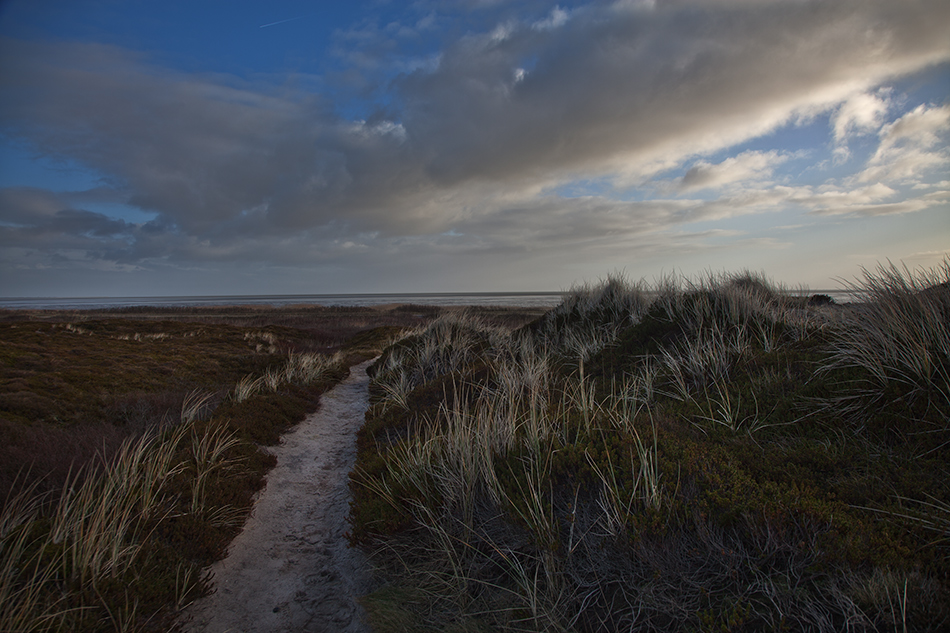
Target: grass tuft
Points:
x,y
663,458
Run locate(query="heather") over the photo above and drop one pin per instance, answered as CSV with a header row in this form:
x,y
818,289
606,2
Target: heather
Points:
x,y
693,454
133,443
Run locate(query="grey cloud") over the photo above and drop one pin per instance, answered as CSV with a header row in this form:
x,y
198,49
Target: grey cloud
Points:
x,y
42,211
44,223
235,169
79,222
610,87
193,149
19,205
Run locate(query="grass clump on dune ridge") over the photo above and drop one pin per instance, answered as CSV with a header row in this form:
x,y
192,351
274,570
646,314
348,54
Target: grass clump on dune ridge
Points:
x,y
694,455
899,340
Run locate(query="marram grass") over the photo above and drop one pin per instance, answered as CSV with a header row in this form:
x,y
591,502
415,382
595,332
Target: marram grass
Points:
x,y
122,546
59,561
716,454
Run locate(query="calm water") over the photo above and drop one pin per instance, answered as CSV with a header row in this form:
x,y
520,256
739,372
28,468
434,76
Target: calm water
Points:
x,y
505,299
533,299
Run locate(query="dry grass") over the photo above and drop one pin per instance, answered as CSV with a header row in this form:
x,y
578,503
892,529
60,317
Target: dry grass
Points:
x,y
659,458
899,335
58,561
130,445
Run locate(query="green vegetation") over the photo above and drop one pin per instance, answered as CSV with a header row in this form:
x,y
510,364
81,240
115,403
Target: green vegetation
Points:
x,y
131,447
696,455
122,544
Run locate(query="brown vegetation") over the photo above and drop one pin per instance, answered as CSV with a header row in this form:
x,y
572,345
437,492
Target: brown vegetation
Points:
x,y
698,455
130,446
77,383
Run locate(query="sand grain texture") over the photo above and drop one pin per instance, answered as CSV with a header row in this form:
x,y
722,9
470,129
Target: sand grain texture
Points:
x,y
291,569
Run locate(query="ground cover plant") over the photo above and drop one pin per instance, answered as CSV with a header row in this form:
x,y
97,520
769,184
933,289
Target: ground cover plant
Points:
x,y
711,454
122,544
68,388
132,443
74,382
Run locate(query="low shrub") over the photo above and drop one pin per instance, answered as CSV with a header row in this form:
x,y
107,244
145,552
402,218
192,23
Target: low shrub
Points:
x,y
662,459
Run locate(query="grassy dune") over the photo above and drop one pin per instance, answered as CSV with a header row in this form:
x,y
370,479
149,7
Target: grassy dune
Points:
x,y
713,454
131,446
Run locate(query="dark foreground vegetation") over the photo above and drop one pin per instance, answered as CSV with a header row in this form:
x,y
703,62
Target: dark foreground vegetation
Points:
x,y
714,455
132,445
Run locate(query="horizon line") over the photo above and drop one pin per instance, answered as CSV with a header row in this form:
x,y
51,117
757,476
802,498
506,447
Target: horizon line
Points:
x,y
359,294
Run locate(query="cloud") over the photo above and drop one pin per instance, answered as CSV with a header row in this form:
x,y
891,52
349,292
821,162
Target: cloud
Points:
x,y
471,138
874,200
557,18
921,127
741,168
909,146
860,114
614,91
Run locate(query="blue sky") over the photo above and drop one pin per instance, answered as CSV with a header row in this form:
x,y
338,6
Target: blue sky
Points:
x,y
229,147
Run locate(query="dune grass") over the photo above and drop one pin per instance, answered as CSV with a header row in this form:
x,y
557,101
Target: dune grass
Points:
x,y
899,341
130,446
122,546
131,454
711,454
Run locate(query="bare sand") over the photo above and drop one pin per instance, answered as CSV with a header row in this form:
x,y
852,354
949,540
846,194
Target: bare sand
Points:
x,y
291,569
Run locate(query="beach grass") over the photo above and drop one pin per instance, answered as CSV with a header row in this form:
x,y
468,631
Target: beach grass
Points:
x,y
132,445
695,454
122,545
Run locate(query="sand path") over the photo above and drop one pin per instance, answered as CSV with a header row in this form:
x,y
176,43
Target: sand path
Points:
x,y
291,569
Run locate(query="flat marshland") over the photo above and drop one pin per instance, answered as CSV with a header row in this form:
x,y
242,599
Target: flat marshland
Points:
x,y
691,455
133,442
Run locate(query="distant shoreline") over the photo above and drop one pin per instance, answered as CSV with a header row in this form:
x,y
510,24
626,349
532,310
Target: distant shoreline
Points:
x,y
484,299
502,299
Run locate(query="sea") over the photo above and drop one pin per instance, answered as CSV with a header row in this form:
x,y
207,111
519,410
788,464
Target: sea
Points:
x,y
499,299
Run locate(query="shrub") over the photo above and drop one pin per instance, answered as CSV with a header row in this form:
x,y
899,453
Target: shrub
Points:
x,y
650,459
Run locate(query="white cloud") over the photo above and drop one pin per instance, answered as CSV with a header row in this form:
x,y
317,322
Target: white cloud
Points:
x,y
903,165
921,127
874,200
741,168
557,18
860,114
476,136
908,148
831,196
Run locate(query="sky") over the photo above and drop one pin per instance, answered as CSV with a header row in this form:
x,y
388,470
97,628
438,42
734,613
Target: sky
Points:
x,y
215,147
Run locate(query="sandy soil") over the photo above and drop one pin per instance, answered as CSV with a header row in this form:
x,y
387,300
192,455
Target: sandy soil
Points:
x,y
291,569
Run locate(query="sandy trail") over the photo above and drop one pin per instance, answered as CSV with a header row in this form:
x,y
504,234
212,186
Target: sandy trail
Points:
x,y
291,569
